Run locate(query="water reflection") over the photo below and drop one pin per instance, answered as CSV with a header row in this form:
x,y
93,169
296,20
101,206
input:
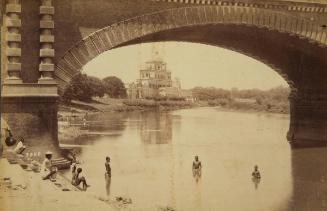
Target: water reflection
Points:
x,y
256,182
152,159
86,130
156,127
108,184
107,121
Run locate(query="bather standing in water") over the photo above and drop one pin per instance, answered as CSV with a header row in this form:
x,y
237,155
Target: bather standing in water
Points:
x,y
196,168
256,176
256,173
108,175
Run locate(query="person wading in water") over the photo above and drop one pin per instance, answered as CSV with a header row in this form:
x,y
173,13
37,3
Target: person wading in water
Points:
x,y
108,175
256,173
196,168
256,176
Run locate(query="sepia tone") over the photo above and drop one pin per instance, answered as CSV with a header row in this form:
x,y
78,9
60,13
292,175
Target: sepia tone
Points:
x,y
46,43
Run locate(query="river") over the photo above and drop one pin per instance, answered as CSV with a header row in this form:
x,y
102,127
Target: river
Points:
x,y
152,153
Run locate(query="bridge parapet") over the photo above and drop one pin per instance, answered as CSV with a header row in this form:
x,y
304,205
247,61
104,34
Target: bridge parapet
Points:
x,y
278,5
308,10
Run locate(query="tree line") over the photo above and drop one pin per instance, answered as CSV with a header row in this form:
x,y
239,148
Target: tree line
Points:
x,y
272,100
211,93
83,88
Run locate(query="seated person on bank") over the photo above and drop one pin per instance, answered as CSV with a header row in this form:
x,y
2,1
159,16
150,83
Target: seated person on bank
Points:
x,y
48,170
10,141
78,179
20,147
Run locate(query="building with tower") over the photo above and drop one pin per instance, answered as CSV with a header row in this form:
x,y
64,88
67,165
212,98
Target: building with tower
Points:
x,y
155,80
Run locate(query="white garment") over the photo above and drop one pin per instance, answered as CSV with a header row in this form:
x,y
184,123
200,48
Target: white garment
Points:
x,y
45,168
73,165
19,147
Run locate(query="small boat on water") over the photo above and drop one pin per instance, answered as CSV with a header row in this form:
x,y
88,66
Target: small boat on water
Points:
x,y
61,163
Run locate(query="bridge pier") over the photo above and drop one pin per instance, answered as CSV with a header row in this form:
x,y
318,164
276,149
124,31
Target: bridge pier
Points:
x,y
30,110
308,120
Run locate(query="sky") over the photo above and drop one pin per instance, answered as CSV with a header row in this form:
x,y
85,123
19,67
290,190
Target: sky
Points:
x,y
194,64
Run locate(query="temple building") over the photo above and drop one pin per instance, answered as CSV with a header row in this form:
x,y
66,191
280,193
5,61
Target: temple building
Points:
x,y
155,81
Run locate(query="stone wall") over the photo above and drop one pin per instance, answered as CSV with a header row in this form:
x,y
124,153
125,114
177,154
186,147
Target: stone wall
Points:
x,y
34,119
30,41
2,55
308,119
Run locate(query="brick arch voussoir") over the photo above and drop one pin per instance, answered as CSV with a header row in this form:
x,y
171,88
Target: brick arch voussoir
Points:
x,y
119,33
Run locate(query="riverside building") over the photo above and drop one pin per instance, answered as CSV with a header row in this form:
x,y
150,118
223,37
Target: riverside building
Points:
x,y
155,81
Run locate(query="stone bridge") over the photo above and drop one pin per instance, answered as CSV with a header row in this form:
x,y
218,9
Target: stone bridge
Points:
x,y
44,43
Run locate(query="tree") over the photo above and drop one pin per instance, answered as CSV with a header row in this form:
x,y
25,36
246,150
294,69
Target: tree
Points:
x,y
114,87
97,86
83,88
78,89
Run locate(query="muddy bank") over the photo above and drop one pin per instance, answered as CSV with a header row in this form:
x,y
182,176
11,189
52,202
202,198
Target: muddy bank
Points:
x,y
122,105
25,190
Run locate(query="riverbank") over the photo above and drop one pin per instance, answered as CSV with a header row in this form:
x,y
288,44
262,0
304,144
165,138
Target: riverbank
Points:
x,y
25,190
248,105
122,105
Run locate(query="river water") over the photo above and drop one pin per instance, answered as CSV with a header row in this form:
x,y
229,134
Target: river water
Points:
x,y
152,153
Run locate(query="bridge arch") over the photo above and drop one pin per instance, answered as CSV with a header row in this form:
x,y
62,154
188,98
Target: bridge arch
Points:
x,y
155,26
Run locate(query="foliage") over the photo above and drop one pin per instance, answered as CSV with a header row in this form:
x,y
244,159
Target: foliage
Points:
x,y
273,100
156,103
83,88
97,86
114,87
165,98
210,93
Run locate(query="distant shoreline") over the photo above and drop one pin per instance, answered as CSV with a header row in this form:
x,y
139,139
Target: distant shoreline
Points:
x,y
123,105
247,111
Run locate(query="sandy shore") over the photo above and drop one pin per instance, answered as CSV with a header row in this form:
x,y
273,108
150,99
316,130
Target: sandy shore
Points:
x,y
22,190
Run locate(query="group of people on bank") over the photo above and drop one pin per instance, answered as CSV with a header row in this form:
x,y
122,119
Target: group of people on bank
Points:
x,y
49,171
78,178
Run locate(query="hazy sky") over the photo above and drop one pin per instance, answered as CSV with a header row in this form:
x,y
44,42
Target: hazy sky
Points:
x,y
194,64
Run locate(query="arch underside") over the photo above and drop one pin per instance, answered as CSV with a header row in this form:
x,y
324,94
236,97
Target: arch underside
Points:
x,y
293,47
